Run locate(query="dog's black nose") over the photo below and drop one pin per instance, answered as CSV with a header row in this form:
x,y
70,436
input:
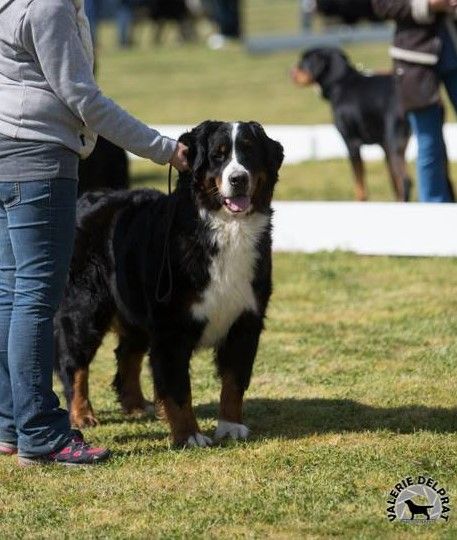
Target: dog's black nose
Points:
x,y
239,180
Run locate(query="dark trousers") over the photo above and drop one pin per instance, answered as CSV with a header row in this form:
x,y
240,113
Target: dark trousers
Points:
x,y
228,18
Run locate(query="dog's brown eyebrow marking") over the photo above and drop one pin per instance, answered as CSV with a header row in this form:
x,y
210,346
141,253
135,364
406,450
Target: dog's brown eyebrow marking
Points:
x,y
222,149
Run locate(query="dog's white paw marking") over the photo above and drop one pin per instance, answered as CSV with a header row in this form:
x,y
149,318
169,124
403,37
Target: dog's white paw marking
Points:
x,y
198,440
232,430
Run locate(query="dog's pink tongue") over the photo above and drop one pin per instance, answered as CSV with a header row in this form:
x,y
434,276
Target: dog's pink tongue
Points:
x,y
238,204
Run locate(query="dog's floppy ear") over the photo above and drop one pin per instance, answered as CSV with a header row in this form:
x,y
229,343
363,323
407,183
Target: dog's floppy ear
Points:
x,y
274,150
197,142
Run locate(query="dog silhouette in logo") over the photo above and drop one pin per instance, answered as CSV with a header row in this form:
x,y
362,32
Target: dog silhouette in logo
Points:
x,y
417,510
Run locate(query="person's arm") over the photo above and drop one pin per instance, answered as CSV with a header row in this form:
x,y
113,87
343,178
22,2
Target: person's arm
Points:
x,y
55,41
419,11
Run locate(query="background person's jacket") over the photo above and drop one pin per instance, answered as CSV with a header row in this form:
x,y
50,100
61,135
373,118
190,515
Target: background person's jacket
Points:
x,y
416,48
47,89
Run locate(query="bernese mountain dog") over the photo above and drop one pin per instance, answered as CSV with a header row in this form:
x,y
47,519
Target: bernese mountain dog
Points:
x,y
172,274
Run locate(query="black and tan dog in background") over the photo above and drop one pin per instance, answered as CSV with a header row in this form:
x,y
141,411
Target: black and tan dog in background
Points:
x,y
172,274
106,168
366,110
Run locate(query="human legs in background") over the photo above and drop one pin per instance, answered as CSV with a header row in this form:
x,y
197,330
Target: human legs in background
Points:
x,y
227,16
427,125
307,11
92,8
450,82
37,221
124,21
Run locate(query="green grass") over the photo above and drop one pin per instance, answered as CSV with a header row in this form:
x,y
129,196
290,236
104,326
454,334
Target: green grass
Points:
x,y
177,84
354,389
354,385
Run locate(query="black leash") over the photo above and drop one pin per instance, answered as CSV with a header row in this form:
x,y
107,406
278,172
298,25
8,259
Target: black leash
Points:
x,y
166,259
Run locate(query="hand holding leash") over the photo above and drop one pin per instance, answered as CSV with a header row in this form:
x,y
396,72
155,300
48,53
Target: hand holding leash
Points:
x,y
179,158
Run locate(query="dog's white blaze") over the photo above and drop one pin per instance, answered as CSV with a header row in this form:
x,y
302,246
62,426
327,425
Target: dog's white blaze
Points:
x,y
233,166
230,292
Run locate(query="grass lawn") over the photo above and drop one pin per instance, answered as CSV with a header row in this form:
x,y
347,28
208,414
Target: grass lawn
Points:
x,y
175,84
355,382
354,389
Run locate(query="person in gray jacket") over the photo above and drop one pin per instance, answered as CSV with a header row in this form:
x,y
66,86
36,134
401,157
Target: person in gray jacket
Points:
x,y
425,55
50,110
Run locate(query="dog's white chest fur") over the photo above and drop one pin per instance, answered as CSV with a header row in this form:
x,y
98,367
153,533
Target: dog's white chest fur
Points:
x,y
229,292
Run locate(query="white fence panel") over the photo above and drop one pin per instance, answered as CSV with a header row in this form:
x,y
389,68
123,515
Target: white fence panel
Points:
x,y
412,229
321,142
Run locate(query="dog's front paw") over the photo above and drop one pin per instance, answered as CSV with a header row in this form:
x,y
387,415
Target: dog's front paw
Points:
x,y
231,430
84,421
83,416
198,440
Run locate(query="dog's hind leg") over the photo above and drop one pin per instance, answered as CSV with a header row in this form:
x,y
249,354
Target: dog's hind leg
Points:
x,y
398,171
76,385
133,345
358,169
235,359
81,412
78,335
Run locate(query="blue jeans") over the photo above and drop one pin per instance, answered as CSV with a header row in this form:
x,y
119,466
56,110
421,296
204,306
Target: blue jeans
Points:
x,y
227,15
37,227
427,125
124,21
92,9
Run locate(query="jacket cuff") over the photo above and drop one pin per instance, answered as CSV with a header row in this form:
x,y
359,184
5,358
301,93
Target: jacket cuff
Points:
x,y
167,149
420,10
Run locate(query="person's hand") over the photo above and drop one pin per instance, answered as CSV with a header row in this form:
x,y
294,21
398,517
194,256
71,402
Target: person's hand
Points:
x,y
179,158
442,6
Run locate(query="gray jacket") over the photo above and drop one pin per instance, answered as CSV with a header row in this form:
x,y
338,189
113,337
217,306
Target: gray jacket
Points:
x,y
47,88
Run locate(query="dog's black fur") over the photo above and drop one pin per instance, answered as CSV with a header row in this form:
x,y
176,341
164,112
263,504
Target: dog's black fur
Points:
x,y
120,270
349,11
106,168
417,509
366,110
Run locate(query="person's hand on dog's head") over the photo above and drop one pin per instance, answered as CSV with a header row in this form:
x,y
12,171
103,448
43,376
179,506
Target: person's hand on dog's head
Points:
x,y
443,6
179,158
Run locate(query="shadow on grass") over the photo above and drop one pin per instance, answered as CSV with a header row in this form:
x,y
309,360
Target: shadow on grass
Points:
x,y
296,418
112,417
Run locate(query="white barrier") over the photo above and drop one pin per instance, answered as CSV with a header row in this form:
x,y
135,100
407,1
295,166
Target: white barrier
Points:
x,y
320,142
412,229
366,228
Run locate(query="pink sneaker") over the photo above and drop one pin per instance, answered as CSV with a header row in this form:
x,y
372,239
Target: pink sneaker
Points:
x,y
75,453
7,449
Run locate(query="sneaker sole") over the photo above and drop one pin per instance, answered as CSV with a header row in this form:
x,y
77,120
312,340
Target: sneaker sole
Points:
x,y
7,450
36,462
